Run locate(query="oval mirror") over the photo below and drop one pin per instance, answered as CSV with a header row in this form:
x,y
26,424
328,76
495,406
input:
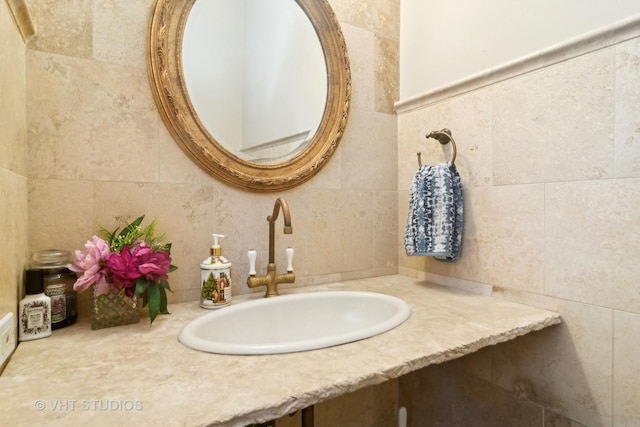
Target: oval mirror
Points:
x,y
255,92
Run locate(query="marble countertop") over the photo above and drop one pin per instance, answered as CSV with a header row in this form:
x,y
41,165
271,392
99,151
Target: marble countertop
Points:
x,y
140,374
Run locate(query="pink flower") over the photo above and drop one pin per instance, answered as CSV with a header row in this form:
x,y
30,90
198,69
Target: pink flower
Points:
x,y
89,263
153,265
123,269
127,266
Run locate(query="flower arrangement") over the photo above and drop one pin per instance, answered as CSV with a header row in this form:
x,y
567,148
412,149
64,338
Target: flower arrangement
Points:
x,y
134,260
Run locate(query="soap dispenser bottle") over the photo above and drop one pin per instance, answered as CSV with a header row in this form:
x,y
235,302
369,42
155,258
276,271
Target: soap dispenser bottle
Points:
x,y
215,278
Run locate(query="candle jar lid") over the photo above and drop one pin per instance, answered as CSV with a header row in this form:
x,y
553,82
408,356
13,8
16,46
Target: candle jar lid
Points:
x,y
51,258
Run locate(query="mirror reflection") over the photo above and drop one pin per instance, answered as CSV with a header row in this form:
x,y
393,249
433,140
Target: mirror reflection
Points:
x,y
291,126
256,76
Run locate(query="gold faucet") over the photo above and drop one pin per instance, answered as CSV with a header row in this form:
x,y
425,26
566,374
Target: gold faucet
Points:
x,y
272,278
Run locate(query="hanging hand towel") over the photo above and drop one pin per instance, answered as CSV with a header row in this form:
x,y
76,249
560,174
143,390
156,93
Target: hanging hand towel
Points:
x,y
434,222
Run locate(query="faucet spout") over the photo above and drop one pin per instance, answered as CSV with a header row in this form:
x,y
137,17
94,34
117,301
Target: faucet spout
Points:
x,y
288,229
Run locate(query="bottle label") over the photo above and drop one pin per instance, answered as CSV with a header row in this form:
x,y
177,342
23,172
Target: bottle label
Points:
x,y
215,288
35,318
58,302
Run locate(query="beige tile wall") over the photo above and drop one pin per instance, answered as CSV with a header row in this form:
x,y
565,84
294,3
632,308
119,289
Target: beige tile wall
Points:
x,y
99,153
550,164
13,163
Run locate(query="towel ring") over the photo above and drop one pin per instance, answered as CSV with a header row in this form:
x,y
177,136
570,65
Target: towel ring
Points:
x,y
443,137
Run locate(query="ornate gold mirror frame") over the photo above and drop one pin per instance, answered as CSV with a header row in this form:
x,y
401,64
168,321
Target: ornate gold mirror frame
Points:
x,y
22,17
164,62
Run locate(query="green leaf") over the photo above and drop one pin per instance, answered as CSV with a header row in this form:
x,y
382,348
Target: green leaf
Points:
x,y
154,302
165,285
107,235
141,286
163,301
172,268
131,227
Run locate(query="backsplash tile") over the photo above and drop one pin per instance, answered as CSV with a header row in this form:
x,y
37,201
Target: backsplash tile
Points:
x,y
381,17
590,242
387,72
372,144
13,138
63,27
361,44
119,32
386,215
503,241
89,120
626,370
627,123
568,368
469,118
14,252
555,124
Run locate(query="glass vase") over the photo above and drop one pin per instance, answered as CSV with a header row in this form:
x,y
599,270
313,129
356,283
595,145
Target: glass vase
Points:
x,y
113,309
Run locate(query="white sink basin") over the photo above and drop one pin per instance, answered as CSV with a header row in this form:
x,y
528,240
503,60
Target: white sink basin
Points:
x,y
296,322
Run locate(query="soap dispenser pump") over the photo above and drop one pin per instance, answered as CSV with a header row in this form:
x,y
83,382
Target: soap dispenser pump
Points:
x,y
215,278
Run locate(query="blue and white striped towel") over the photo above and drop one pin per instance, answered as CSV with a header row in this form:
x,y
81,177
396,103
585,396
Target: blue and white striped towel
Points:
x,y
434,222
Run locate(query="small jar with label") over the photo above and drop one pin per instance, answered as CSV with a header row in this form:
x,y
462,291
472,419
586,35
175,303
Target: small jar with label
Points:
x,y
58,285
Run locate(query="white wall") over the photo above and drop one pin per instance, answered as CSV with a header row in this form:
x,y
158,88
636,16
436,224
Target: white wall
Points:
x,y
284,75
212,63
255,70
442,41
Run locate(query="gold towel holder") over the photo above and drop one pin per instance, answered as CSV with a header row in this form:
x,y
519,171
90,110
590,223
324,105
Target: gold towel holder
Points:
x,y
443,137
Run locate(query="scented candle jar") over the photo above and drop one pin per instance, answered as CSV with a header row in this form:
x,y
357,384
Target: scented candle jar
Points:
x,y
58,285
